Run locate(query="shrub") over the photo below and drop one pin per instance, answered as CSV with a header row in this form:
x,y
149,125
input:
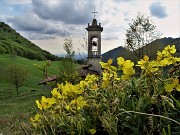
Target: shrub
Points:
x,y
68,72
115,104
2,50
17,75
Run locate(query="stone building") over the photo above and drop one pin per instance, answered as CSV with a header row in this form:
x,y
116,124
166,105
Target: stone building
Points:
x,y
94,53
94,47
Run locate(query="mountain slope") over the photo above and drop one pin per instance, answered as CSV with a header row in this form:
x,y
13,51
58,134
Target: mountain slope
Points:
x,y
150,50
115,53
13,43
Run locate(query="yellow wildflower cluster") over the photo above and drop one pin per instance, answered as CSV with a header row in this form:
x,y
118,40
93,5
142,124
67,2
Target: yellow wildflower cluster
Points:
x,y
70,100
108,66
36,119
110,73
91,82
127,67
148,66
66,97
76,104
45,102
164,58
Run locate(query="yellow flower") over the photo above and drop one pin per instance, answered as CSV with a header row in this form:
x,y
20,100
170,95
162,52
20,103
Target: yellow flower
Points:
x,y
94,86
40,106
71,90
169,49
83,84
106,79
129,71
37,118
56,93
150,70
92,131
105,84
143,62
120,61
128,64
127,67
108,66
51,101
124,64
76,104
175,84
169,61
164,62
146,58
80,103
110,61
91,78
45,102
106,75
172,60
68,107
160,56
125,77
148,66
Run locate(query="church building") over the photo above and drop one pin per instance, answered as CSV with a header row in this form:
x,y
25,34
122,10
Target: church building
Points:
x,y
94,47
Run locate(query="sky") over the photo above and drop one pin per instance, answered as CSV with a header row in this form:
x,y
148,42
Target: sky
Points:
x,y
47,23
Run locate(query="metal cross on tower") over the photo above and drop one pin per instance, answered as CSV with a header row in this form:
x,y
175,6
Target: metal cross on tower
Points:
x,y
94,13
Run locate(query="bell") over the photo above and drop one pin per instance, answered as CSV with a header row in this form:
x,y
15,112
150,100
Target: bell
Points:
x,y
94,43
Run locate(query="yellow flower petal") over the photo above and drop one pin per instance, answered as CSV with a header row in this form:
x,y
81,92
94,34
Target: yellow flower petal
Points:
x,y
169,87
120,61
178,87
146,58
92,131
38,104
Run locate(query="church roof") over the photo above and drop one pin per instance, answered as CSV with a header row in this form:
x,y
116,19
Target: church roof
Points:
x,y
94,26
48,79
85,71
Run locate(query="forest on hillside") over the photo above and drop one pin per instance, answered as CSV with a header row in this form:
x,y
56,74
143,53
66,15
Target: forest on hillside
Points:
x,y
13,43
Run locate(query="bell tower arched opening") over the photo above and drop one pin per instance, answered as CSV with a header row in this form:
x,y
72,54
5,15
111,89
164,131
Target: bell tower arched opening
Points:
x,y
94,43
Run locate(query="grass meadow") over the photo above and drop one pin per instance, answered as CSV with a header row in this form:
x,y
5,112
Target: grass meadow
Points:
x,y
16,109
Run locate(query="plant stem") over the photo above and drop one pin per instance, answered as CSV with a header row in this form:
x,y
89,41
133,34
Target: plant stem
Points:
x,y
154,115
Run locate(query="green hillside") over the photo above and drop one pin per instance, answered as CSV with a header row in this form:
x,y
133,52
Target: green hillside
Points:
x,y
150,49
18,108
13,43
34,74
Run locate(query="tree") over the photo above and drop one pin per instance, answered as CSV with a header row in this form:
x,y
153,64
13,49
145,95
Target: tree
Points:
x,y
44,67
17,75
141,32
84,42
68,47
68,69
84,45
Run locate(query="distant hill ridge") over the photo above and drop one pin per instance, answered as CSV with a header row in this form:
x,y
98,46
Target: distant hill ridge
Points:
x,y
152,48
13,43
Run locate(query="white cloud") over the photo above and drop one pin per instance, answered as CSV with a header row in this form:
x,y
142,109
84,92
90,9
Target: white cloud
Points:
x,y
44,20
67,11
17,2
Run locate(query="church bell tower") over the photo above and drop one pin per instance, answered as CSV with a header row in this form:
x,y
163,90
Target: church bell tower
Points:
x,y
94,44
